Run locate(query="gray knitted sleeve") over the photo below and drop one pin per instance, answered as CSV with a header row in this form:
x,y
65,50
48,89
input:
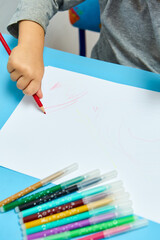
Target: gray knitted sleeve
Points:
x,y
40,11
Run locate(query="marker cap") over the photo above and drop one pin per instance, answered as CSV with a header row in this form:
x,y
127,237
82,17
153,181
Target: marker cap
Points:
x,y
91,174
124,212
120,196
108,176
123,205
97,179
61,173
90,182
81,178
95,197
114,185
70,168
139,223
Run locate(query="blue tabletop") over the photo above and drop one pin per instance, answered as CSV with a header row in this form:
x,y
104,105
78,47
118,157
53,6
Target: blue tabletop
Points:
x,y
10,97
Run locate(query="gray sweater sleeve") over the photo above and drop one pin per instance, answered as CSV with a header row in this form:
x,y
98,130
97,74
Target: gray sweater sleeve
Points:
x,y
40,11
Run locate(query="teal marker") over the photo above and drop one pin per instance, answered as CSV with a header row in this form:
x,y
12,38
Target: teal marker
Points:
x,y
69,198
47,191
91,229
64,221
78,217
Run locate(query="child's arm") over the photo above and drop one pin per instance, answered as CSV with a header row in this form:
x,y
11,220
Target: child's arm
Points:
x,y
26,60
29,24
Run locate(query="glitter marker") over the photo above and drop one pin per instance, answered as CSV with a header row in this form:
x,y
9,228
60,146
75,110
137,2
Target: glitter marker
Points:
x,y
64,207
111,207
78,210
9,203
69,198
117,230
91,229
56,190
94,179
82,223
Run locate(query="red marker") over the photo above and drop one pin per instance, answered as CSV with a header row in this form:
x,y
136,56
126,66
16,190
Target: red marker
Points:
x,y
9,52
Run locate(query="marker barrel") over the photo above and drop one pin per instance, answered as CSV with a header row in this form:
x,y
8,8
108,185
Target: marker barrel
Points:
x,y
80,224
10,202
47,194
63,208
70,198
78,217
91,229
117,230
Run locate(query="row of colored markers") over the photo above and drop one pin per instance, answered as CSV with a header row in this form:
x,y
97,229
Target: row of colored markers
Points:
x,y
74,209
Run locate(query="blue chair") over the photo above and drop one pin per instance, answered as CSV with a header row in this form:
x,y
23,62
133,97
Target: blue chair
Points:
x,y
85,16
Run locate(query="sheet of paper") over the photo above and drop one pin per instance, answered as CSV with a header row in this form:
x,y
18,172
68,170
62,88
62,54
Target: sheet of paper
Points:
x,y
97,123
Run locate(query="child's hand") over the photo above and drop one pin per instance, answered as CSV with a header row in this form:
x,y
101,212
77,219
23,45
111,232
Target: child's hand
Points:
x,y
26,67
25,63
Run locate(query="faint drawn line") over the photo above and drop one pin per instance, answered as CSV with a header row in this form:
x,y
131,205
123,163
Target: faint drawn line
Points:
x,y
142,139
66,104
56,85
63,107
95,108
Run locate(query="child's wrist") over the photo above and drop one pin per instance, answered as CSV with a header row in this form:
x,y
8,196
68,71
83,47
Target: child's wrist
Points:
x,y
31,34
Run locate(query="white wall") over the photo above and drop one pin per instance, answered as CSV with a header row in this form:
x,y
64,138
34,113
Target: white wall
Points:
x,y
7,8
60,33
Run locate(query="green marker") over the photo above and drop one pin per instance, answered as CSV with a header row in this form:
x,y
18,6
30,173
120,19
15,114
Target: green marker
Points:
x,y
78,217
71,219
47,191
69,198
91,229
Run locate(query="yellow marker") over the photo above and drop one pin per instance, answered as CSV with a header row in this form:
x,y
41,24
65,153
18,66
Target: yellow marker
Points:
x,y
70,212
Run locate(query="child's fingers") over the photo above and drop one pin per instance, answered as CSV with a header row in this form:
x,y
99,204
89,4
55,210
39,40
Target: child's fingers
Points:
x,y
15,75
23,82
39,93
32,88
10,67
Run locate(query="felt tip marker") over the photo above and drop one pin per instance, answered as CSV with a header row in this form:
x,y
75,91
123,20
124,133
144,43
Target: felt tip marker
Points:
x,y
91,229
96,212
117,230
65,207
11,202
82,223
93,180
68,190
77,210
55,189
70,198
63,200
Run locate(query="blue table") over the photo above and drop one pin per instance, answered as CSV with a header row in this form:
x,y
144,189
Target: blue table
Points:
x,y
10,97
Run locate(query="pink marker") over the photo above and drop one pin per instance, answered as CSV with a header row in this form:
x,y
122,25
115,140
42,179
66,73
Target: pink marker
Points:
x,y
117,230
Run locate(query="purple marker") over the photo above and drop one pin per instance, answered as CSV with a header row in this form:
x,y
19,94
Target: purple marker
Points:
x,y
80,224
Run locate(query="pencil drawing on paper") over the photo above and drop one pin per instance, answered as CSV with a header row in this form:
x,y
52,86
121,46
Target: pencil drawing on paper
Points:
x,y
67,101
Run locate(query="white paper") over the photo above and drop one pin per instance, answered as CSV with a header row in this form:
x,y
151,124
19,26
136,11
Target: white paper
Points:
x,y
97,123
